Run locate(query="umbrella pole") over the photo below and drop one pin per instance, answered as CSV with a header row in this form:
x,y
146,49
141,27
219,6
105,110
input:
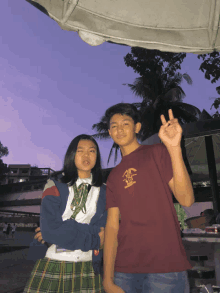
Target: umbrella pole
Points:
x,y
212,173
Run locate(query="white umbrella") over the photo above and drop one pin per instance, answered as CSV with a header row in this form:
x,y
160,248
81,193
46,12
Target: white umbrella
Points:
x,y
171,25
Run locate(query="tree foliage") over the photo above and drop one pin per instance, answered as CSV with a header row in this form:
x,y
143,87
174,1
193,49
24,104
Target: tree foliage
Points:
x,y
3,150
153,63
159,87
3,167
210,66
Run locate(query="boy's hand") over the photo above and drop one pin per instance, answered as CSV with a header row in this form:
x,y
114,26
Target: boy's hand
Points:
x,y
170,132
112,288
38,235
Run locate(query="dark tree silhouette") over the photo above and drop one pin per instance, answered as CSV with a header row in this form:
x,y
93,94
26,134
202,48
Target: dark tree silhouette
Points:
x,y
159,88
3,167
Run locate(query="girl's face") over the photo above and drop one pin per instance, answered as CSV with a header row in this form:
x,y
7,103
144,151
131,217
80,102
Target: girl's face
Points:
x,y
85,158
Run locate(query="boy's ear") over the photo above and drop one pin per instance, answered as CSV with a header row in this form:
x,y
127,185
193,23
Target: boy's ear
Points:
x,y
137,127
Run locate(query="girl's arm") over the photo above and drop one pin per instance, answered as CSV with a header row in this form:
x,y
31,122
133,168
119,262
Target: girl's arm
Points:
x,y
68,234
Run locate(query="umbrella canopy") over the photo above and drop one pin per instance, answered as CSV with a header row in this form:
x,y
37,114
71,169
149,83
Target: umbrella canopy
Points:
x,y
171,25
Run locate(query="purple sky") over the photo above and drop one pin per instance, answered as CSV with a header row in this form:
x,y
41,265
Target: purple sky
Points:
x,y
54,86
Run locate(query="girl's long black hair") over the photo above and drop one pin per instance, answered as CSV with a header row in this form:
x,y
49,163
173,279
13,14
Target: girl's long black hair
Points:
x,y
69,171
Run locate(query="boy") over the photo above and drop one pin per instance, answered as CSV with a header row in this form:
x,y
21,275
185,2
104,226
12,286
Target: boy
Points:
x,y
146,253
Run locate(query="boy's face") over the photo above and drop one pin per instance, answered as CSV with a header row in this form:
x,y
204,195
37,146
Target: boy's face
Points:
x,y
123,130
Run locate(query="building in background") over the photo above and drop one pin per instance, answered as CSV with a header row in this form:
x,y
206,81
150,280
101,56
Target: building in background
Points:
x,y
24,173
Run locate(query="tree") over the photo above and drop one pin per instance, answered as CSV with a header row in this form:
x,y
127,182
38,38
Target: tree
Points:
x,y
216,106
159,88
3,150
145,62
210,65
102,133
3,167
170,95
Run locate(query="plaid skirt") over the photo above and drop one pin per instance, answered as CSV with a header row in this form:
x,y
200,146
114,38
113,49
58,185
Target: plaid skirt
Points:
x,y
54,276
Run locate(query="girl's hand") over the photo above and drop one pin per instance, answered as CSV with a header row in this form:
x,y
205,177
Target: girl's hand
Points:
x,y
102,236
38,235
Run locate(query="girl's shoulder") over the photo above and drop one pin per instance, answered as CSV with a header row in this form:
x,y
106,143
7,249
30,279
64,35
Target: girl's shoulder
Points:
x,y
50,183
54,187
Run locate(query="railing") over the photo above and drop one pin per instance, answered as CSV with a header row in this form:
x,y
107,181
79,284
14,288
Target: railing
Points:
x,y
22,186
36,183
202,194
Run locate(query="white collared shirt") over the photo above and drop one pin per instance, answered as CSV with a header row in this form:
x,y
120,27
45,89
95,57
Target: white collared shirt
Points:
x,y
91,205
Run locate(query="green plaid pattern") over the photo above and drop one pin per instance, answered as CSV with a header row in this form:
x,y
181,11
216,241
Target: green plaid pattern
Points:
x,y
54,276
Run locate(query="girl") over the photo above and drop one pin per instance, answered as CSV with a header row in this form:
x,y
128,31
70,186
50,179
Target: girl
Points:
x,y
73,218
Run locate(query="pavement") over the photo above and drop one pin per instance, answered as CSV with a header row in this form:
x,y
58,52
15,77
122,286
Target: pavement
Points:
x,y
14,268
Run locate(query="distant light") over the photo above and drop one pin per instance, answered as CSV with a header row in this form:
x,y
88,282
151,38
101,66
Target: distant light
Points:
x,y
21,180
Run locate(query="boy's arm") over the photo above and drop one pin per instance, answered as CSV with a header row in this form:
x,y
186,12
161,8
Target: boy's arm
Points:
x,y
110,246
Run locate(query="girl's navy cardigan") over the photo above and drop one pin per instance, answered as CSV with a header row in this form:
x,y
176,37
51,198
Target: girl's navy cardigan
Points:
x,y
69,234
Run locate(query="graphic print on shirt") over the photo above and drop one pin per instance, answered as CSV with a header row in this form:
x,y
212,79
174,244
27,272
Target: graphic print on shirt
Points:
x,y
129,174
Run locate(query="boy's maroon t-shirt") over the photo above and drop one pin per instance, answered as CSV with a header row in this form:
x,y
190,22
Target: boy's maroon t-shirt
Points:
x,y
149,239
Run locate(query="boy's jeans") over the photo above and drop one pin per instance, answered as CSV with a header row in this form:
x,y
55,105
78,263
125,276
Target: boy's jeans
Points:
x,y
153,283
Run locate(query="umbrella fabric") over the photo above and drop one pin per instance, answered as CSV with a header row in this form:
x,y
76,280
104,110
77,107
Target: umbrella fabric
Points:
x,y
171,25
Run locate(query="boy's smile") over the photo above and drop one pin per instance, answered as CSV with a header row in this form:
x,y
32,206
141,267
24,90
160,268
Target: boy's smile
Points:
x,y
123,131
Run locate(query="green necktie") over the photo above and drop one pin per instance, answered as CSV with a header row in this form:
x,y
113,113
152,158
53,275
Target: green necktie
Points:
x,y
79,200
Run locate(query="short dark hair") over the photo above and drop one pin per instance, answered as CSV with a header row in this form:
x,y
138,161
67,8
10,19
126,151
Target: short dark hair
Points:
x,y
69,168
123,109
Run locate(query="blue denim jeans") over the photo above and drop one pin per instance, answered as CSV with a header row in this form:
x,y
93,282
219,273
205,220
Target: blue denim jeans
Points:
x,y
153,283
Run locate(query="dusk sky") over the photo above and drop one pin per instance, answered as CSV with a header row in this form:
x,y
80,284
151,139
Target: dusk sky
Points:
x,y
54,86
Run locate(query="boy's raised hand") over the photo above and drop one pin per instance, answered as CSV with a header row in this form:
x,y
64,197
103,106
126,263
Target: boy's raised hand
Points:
x,y
170,131
38,235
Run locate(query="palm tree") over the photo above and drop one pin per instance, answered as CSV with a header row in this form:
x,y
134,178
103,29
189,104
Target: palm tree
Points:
x,y
102,129
159,95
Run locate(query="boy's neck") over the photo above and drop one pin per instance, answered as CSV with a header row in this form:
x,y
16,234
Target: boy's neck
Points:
x,y
126,150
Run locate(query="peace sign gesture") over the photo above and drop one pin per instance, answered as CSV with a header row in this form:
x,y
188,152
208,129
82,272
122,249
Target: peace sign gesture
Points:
x,y
170,132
